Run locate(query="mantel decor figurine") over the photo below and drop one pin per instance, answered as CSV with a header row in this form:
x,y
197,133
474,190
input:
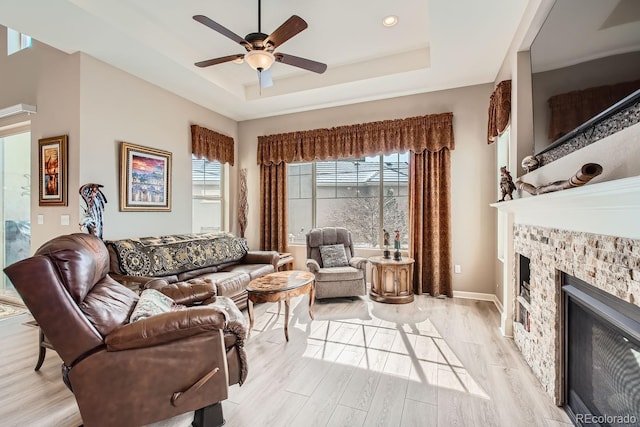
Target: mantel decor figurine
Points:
x,y
506,184
530,163
386,253
396,245
586,173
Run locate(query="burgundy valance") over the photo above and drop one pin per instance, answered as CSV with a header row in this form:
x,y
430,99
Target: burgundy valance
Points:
x,y
417,134
499,110
211,145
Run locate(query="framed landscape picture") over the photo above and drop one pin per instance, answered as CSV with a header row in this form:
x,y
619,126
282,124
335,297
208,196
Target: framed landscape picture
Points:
x,y
52,171
145,178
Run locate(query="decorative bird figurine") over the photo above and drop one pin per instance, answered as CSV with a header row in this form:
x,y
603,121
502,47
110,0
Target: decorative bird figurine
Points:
x,y
506,184
95,201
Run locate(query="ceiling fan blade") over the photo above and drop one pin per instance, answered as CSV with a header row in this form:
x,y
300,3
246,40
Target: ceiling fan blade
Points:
x,y
222,30
284,32
220,60
296,61
265,79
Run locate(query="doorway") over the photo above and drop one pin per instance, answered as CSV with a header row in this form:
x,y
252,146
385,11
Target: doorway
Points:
x,y
15,196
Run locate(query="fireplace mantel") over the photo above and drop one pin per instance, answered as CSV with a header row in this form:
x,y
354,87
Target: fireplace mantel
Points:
x,y
610,208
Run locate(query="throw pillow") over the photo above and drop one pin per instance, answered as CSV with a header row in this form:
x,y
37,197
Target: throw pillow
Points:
x,y
333,256
151,302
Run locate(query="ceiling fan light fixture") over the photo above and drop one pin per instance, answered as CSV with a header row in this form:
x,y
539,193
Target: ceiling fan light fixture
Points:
x,y
238,60
259,59
390,21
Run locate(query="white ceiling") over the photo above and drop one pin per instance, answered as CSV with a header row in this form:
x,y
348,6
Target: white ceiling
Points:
x,y
437,44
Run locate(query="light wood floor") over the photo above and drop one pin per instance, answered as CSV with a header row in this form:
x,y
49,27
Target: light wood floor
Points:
x,y
359,363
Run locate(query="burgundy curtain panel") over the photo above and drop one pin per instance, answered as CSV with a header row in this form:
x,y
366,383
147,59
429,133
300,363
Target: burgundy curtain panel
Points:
x,y
430,221
273,207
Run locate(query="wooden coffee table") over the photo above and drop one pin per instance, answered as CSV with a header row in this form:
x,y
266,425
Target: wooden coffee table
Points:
x,y
276,287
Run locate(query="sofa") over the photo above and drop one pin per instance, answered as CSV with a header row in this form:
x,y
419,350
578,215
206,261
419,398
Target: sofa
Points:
x,y
220,259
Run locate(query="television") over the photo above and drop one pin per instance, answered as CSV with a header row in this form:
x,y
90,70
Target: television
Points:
x,y
587,50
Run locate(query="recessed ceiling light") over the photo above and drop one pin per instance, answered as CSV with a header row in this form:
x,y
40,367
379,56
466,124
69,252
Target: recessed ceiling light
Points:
x,y
390,21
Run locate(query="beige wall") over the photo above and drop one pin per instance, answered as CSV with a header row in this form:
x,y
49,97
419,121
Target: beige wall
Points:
x,y
98,106
49,79
116,106
473,168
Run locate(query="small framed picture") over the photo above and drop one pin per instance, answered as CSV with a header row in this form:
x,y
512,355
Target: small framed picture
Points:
x,y
52,171
145,178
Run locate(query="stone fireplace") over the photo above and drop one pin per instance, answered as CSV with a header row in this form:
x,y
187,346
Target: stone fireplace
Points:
x,y
608,263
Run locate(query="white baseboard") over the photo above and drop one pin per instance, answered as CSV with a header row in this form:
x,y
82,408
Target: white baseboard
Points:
x,y
479,296
498,304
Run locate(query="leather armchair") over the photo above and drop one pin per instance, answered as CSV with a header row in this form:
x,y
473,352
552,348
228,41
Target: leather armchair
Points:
x,y
131,374
332,282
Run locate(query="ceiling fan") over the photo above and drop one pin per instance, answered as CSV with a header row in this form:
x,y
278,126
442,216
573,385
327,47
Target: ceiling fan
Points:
x,y
260,47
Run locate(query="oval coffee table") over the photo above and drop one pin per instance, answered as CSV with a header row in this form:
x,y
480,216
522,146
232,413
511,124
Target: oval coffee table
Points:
x,y
279,286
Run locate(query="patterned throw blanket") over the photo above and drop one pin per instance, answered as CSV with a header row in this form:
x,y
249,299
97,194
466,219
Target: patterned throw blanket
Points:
x,y
174,254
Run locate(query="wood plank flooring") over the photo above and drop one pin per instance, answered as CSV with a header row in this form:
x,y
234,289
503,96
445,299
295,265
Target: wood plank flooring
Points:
x,y
433,362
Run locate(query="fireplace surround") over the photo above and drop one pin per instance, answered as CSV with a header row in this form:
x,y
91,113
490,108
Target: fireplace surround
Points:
x,y
610,264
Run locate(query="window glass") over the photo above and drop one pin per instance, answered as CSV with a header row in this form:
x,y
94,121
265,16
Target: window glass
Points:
x,y
350,193
207,195
16,41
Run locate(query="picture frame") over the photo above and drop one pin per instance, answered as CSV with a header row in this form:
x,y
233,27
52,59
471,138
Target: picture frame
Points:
x,y
145,178
52,171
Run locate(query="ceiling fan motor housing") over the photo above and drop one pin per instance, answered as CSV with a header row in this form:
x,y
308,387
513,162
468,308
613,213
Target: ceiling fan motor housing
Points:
x,y
257,41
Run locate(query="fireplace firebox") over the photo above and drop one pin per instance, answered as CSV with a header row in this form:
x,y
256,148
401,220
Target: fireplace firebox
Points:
x,y
601,356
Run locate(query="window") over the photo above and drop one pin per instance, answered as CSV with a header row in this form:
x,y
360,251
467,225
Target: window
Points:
x,y
350,193
207,195
16,41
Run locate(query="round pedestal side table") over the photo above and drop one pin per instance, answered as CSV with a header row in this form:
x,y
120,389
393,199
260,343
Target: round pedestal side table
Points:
x,y
391,281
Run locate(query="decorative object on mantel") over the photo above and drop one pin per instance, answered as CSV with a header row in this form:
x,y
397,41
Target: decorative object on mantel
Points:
x,y
396,245
94,200
243,205
506,184
586,173
530,163
386,253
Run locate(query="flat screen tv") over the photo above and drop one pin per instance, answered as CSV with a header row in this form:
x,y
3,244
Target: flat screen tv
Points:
x,y
585,59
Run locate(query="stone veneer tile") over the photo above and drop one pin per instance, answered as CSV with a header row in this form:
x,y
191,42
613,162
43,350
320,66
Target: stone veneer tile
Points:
x,y
607,262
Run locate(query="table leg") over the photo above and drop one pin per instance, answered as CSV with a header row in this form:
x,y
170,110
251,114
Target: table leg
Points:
x,y
278,315
312,298
286,318
250,310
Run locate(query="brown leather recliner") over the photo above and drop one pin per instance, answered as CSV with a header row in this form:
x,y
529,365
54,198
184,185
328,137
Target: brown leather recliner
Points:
x,y
130,374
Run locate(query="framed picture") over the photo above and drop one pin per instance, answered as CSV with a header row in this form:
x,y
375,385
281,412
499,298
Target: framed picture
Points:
x,y
145,178
52,171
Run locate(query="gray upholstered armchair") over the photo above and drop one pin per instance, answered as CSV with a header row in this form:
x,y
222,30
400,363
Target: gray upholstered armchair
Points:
x,y
330,257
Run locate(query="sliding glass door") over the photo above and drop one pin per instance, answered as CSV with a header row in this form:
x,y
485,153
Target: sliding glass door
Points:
x,y
15,186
